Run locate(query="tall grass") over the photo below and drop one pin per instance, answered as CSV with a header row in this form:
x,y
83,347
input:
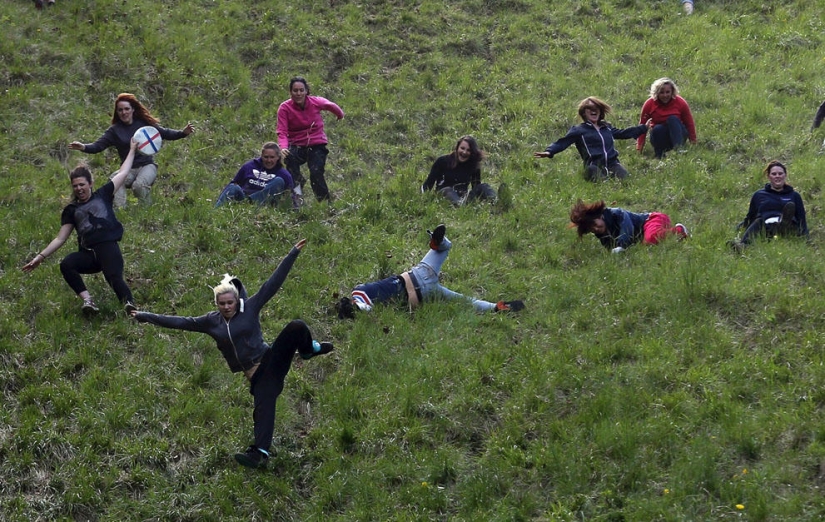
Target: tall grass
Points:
x,y
672,383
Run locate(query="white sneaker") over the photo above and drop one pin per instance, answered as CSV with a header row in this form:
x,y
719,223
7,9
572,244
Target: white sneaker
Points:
x,y
688,7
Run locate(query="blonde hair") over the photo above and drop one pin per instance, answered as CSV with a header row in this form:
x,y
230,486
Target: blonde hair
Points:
x,y
225,287
656,86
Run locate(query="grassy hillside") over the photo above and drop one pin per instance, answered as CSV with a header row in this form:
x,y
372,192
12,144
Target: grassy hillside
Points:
x,y
678,382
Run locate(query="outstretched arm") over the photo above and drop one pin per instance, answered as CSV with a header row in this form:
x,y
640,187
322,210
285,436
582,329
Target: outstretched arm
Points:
x,y
120,178
273,284
62,235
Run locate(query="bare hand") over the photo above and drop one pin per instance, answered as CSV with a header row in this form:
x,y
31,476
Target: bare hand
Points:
x,y
133,143
76,145
284,154
541,154
189,129
34,263
133,313
649,123
300,244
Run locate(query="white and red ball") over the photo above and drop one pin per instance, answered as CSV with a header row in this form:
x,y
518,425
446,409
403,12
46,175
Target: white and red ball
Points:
x,y
149,140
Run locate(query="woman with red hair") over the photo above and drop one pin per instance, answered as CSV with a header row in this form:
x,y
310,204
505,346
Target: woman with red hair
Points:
x,y
617,229
130,115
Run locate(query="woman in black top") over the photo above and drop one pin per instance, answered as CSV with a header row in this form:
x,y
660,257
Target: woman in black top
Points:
x,y
457,176
98,234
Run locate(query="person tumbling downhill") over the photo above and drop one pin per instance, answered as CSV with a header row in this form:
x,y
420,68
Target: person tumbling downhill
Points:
x,y
236,328
418,284
617,229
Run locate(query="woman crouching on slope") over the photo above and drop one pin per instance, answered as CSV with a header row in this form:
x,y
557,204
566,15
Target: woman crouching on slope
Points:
x,y
236,327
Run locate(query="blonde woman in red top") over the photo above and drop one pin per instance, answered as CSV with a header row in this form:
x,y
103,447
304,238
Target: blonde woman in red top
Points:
x,y
672,120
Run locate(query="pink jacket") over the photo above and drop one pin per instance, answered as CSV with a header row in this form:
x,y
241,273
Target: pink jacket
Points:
x,y
304,127
659,113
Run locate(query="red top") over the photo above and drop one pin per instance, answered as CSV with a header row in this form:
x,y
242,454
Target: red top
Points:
x,y
659,112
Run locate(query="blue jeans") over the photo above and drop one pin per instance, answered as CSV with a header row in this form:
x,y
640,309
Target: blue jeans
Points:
x,y
268,194
426,273
315,156
668,136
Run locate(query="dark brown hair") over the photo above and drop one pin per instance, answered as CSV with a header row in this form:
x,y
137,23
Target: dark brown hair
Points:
x,y
584,215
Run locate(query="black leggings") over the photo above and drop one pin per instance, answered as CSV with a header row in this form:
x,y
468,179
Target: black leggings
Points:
x,y
268,381
103,257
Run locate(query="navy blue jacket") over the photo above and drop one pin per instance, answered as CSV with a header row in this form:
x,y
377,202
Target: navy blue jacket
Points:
x,y
596,145
624,228
767,203
239,339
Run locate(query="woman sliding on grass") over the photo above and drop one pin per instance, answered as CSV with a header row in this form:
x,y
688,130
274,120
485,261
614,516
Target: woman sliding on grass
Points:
x,y
457,176
130,115
236,327
98,235
775,210
416,285
594,141
672,120
618,229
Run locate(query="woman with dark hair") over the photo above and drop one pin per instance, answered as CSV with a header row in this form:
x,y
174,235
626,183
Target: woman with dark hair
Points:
x,y
98,234
236,328
672,120
775,210
261,180
301,136
130,115
594,139
457,176
617,229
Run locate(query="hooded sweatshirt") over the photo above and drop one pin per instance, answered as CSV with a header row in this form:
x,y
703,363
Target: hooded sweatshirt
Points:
x,y
239,339
768,203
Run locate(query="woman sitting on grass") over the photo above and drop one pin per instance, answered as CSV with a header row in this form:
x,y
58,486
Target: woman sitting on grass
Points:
x,y
672,120
594,139
775,210
130,115
618,229
457,176
416,285
98,235
236,327
261,180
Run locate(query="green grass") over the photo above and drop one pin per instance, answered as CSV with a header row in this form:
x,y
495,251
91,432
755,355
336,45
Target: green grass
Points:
x,y
668,383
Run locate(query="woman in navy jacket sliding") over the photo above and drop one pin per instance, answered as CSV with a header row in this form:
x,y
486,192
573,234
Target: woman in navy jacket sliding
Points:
x,y
594,139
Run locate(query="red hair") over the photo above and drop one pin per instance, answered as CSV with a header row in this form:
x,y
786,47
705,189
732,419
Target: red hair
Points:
x,y
584,215
141,112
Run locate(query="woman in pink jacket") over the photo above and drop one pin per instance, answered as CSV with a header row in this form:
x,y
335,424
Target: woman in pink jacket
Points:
x,y
672,120
301,136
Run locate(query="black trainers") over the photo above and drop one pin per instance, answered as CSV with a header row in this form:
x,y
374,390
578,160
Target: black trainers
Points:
x,y
437,236
318,349
252,458
89,307
345,308
509,306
